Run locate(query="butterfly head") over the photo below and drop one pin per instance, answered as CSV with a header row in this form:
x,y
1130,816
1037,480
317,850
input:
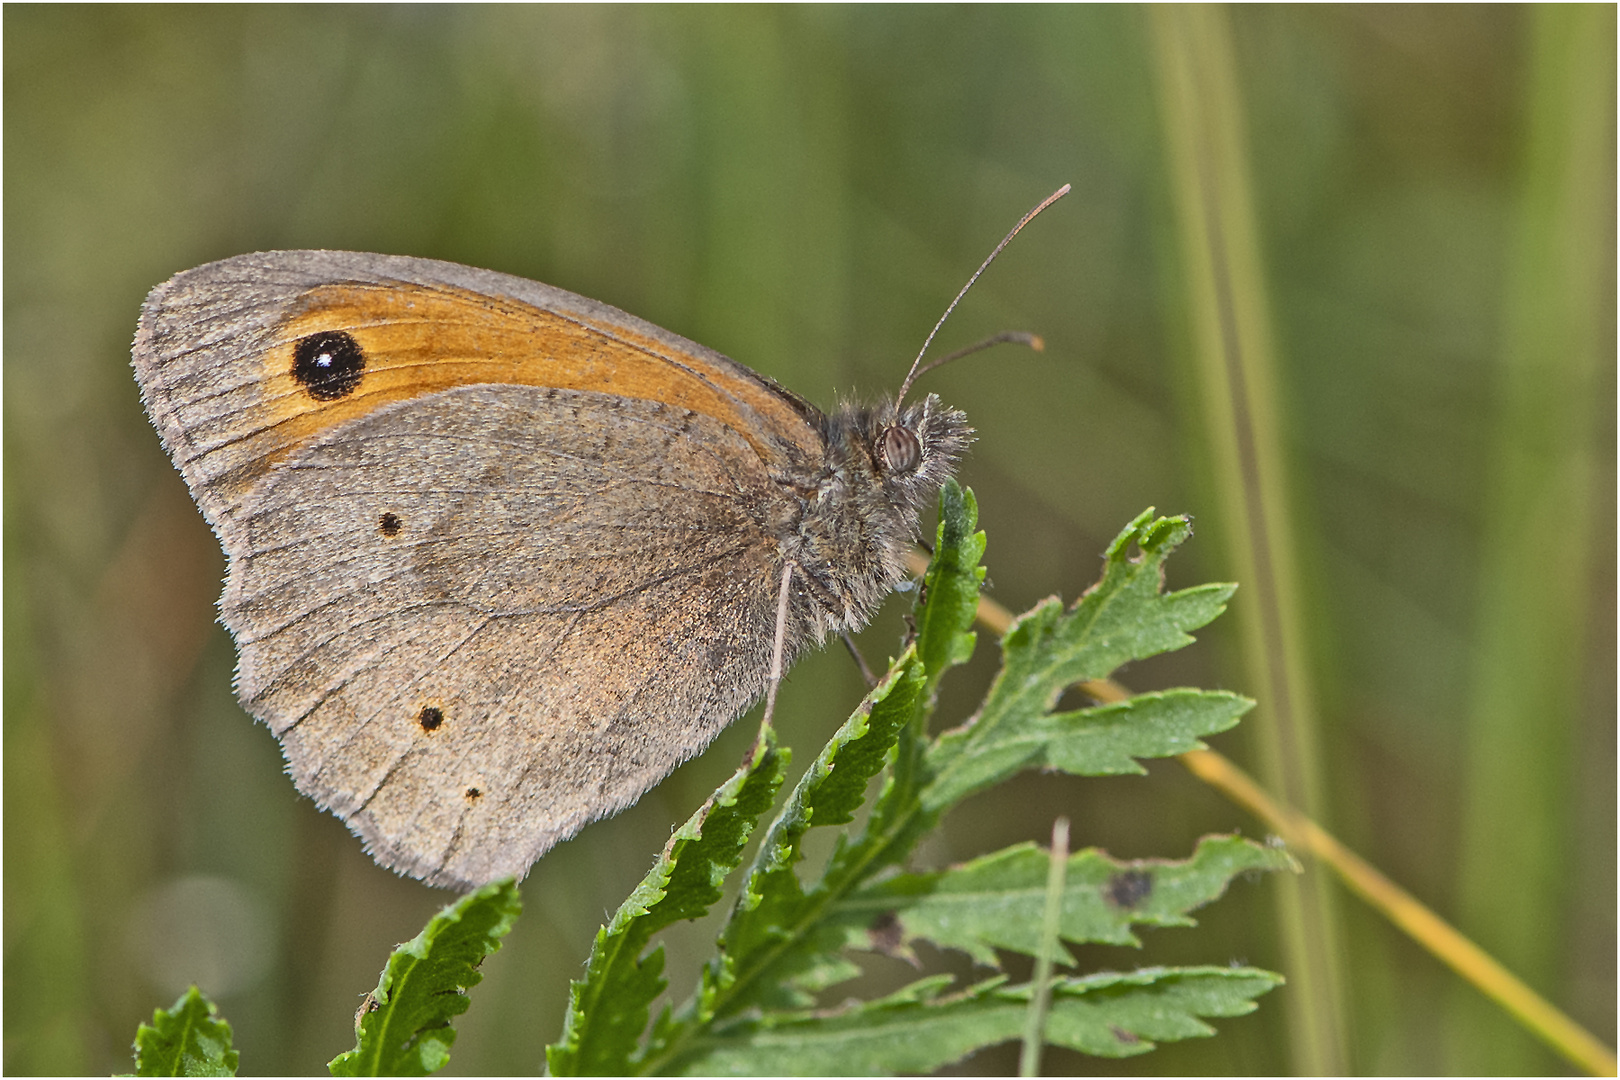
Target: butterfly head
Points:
x,y
891,460
914,449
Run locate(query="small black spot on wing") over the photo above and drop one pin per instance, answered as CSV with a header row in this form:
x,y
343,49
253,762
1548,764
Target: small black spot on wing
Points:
x,y
430,718
390,524
473,794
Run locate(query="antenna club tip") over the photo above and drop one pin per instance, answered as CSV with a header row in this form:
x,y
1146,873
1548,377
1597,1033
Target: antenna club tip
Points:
x,y
1037,343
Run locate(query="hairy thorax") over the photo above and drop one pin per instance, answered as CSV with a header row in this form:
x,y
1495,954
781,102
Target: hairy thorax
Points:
x,y
857,515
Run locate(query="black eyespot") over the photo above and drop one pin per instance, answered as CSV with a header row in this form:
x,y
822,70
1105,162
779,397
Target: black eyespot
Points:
x,y
390,525
329,365
430,717
899,448
473,794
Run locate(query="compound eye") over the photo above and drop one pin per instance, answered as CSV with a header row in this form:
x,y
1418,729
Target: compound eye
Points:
x,y
900,449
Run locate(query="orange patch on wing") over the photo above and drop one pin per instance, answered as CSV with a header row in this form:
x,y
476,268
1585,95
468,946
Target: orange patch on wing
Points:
x,y
419,340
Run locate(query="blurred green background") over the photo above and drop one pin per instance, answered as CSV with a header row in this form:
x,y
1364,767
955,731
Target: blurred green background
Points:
x,y
805,189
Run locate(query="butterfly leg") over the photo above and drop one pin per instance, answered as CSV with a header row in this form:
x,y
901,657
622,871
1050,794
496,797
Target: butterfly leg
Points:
x,y
860,661
779,647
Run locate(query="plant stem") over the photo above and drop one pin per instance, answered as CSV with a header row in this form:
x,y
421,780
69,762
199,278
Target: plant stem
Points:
x,y
1040,1001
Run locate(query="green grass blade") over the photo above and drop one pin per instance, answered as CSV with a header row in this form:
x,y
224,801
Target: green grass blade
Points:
x,y
1040,1003
1535,586
1231,332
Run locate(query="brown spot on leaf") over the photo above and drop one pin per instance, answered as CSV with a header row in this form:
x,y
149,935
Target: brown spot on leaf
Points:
x,y
1128,888
368,1004
885,934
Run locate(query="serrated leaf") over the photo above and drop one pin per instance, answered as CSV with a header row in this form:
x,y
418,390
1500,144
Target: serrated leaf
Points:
x,y
951,586
608,1009
404,1026
1107,740
946,607
786,940
1104,740
773,907
1126,616
187,1039
772,910
944,616
1114,1015
996,901
916,1031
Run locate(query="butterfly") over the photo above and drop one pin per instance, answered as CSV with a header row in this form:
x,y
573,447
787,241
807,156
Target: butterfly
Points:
x,y
501,556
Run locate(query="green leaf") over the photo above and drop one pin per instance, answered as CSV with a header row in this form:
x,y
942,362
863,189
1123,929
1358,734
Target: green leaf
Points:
x,y
1104,740
786,939
765,927
950,589
404,1025
1126,616
608,1009
996,901
188,1039
918,1030
773,906
946,606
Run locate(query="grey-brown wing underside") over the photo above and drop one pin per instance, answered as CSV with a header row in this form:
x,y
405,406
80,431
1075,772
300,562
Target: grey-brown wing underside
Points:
x,y
480,619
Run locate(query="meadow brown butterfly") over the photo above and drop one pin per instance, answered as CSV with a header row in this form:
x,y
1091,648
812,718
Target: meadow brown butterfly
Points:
x,y
500,556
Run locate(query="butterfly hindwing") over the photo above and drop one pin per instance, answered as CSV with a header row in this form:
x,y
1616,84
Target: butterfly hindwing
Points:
x,y
425,594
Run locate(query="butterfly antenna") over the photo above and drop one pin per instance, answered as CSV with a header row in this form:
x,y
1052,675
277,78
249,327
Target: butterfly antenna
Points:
x,y
911,376
1014,337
